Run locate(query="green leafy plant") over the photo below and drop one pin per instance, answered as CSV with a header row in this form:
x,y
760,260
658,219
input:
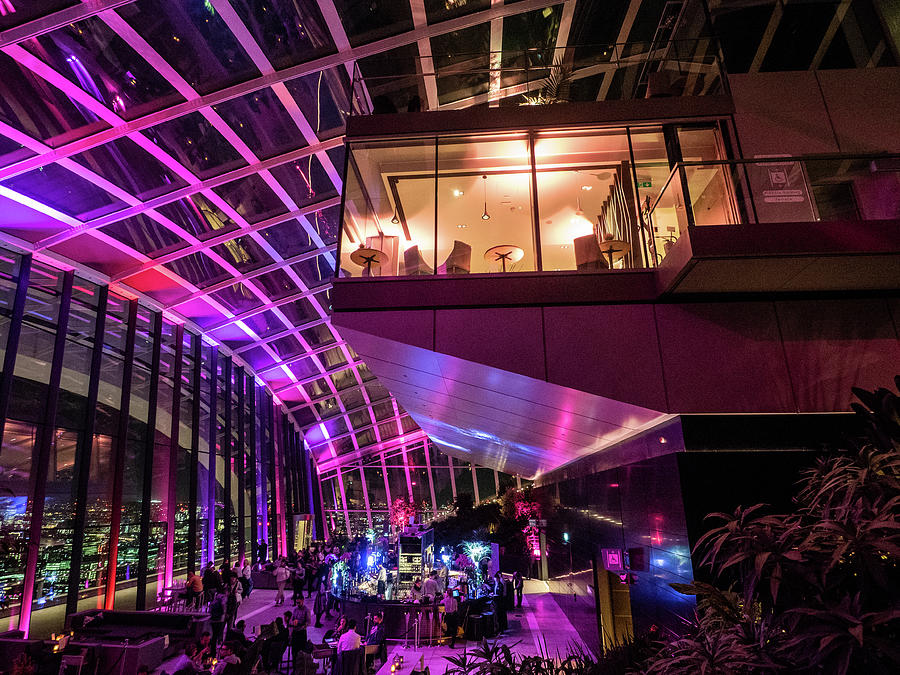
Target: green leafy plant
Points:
x,y
554,88
813,591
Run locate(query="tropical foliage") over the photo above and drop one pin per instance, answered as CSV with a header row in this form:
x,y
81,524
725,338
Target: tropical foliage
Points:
x,y
503,659
813,591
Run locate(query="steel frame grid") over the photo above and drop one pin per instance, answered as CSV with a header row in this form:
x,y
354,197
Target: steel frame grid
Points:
x,y
10,42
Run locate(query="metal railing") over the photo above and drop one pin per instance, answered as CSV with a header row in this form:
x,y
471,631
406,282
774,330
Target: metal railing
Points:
x,y
543,76
775,190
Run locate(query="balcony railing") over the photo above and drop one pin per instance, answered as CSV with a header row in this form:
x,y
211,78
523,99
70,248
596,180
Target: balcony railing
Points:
x,y
774,190
542,76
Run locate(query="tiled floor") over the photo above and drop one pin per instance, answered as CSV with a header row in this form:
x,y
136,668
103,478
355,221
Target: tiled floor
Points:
x,y
538,627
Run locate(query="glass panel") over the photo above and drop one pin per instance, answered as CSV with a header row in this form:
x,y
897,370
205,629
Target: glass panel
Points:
x,y
276,284
91,55
193,39
65,191
238,298
8,283
262,123
289,33
487,488
441,10
251,198
194,142
18,12
389,210
394,75
324,98
710,189
15,460
198,215
462,475
305,180
373,21
243,253
397,483
586,201
420,487
462,62
30,105
288,239
198,269
128,166
484,205
652,167
144,235
443,491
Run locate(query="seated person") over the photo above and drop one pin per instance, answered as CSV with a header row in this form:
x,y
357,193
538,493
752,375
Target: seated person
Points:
x,y
185,663
351,639
377,637
228,661
340,627
205,647
236,634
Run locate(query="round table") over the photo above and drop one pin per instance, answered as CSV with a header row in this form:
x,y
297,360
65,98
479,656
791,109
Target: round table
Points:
x,y
615,250
504,253
366,257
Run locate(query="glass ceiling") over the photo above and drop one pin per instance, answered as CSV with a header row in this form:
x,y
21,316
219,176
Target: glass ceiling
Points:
x,y
191,151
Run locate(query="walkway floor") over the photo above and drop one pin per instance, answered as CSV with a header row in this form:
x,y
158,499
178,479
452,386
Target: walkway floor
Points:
x,y
539,627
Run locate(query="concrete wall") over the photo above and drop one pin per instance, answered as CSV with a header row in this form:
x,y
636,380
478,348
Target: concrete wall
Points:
x,y
810,112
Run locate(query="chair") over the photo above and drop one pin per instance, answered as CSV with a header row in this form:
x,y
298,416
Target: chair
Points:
x,y
459,261
414,264
588,256
350,662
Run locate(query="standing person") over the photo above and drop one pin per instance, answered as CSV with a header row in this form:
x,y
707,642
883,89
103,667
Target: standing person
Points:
x,y
298,580
320,604
193,588
246,578
389,587
232,601
262,552
382,580
518,586
299,623
281,576
451,617
430,587
312,579
212,581
225,571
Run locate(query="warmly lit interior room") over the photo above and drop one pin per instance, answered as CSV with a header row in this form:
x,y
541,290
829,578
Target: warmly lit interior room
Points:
x,y
415,337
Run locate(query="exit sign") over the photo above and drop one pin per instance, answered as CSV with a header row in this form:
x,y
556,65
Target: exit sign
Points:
x,y
644,184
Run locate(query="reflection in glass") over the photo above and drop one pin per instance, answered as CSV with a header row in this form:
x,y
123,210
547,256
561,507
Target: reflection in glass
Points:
x,y
261,121
31,105
484,205
92,56
193,39
389,209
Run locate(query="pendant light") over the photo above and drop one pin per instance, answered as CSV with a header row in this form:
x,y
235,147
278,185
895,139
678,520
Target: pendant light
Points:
x,y
395,219
578,210
485,215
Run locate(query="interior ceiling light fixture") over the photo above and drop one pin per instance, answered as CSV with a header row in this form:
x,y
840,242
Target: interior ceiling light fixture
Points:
x,y
395,219
485,215
578,210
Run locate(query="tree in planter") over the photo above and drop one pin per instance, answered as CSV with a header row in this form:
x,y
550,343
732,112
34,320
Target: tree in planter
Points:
x,y
816,590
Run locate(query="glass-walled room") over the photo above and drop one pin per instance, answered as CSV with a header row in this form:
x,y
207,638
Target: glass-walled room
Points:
x,y
547,200
132,451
